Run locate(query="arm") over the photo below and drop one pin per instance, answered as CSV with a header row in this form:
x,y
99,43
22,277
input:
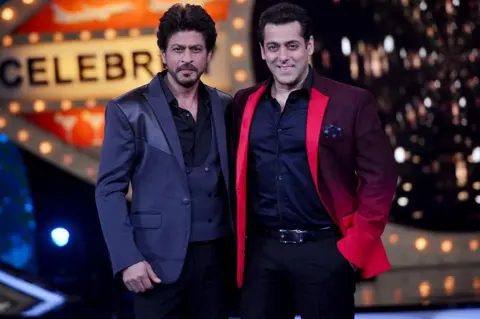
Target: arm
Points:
x,y
116,165
377,180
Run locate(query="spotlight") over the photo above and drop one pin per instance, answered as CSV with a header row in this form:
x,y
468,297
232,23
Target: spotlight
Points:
x,y
60,236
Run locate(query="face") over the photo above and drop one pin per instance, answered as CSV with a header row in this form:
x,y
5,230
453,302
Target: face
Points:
x,y
286,53
186,57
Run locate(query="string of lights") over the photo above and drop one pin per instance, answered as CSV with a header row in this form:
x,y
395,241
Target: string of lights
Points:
x,y
427,91
424,71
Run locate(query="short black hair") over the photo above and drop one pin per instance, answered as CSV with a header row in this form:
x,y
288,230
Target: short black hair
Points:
x,y
187,17
284,13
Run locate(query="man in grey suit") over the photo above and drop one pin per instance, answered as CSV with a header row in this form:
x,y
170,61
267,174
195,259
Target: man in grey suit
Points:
x,y
168,138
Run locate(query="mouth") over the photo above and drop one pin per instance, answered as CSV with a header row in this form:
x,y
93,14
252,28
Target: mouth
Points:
x,y
285,68
188,73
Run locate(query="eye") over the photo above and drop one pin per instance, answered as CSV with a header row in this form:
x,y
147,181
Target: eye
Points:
x,y
292,46
178,50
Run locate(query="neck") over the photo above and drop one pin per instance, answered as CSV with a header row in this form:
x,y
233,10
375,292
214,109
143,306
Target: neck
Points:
x,y
285,89
181,92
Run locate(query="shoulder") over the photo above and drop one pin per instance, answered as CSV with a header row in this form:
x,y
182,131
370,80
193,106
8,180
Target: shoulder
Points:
x,y
128,104
226,98
130,98
244,93
345,96
337,89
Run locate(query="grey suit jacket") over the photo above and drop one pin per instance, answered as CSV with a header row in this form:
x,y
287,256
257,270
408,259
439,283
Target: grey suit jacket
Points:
x,y
141,145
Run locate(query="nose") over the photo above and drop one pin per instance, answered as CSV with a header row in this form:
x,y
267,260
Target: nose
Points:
x,y
283,55
187,57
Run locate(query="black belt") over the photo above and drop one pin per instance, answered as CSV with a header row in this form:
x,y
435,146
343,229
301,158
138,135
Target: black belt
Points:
x,y
298,236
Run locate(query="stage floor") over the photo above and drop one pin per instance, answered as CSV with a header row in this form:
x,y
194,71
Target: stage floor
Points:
x,y
439,314
421,287
420,293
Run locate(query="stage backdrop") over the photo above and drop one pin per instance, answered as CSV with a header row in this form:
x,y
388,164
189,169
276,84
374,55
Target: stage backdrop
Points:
x,y
17,222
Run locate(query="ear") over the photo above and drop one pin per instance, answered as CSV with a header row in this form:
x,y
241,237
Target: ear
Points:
x,y
209,56
163,56
310,45
262,51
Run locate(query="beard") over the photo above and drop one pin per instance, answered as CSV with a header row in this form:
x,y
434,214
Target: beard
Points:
x,y
186,79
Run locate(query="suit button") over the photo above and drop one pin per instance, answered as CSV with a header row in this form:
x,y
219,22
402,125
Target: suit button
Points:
x,y
188,170
209,220
186,201
207,169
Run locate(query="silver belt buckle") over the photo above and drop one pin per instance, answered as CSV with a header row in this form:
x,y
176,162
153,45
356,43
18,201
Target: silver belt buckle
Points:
x,y
286,239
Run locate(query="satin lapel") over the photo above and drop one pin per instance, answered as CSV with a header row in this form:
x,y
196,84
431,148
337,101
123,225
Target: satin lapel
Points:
x,y
157,101
316,112
218,114
241,181
242,151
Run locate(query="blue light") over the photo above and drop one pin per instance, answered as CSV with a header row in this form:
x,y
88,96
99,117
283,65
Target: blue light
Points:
x,y
28,208
3,138
32,224
60,236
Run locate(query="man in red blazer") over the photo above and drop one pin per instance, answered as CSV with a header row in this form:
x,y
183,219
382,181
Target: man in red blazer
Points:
x,y
315,179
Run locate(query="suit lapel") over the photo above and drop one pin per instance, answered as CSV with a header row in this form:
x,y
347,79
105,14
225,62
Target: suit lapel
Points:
x,y
241,181
242,150
157,101
218,115
316,113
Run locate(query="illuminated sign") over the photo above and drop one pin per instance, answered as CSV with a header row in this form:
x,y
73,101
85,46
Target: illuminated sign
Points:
x,y
81,53
97,68
82,127
79,15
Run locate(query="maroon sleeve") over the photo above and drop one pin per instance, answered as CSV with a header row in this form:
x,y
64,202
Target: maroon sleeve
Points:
x,y
377,180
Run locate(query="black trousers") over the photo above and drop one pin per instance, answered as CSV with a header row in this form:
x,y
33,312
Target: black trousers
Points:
x,y
311,279
201,290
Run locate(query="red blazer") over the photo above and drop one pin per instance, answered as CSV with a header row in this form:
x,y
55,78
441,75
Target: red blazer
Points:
x,y
355,175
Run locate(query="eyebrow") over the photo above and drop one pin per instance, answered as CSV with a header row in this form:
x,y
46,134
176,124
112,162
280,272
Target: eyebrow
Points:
x,y
193,46
286,43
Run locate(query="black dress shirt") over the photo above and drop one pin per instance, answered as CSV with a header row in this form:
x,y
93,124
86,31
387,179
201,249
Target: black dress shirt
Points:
x,y
282,193
195,136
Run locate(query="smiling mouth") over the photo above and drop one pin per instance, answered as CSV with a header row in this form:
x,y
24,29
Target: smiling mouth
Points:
x,y
285,68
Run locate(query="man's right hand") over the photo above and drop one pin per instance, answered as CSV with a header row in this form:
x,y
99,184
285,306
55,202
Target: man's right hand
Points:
x,y
139,277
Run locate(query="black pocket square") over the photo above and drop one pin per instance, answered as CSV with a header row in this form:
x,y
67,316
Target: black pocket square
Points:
x,y
333,131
